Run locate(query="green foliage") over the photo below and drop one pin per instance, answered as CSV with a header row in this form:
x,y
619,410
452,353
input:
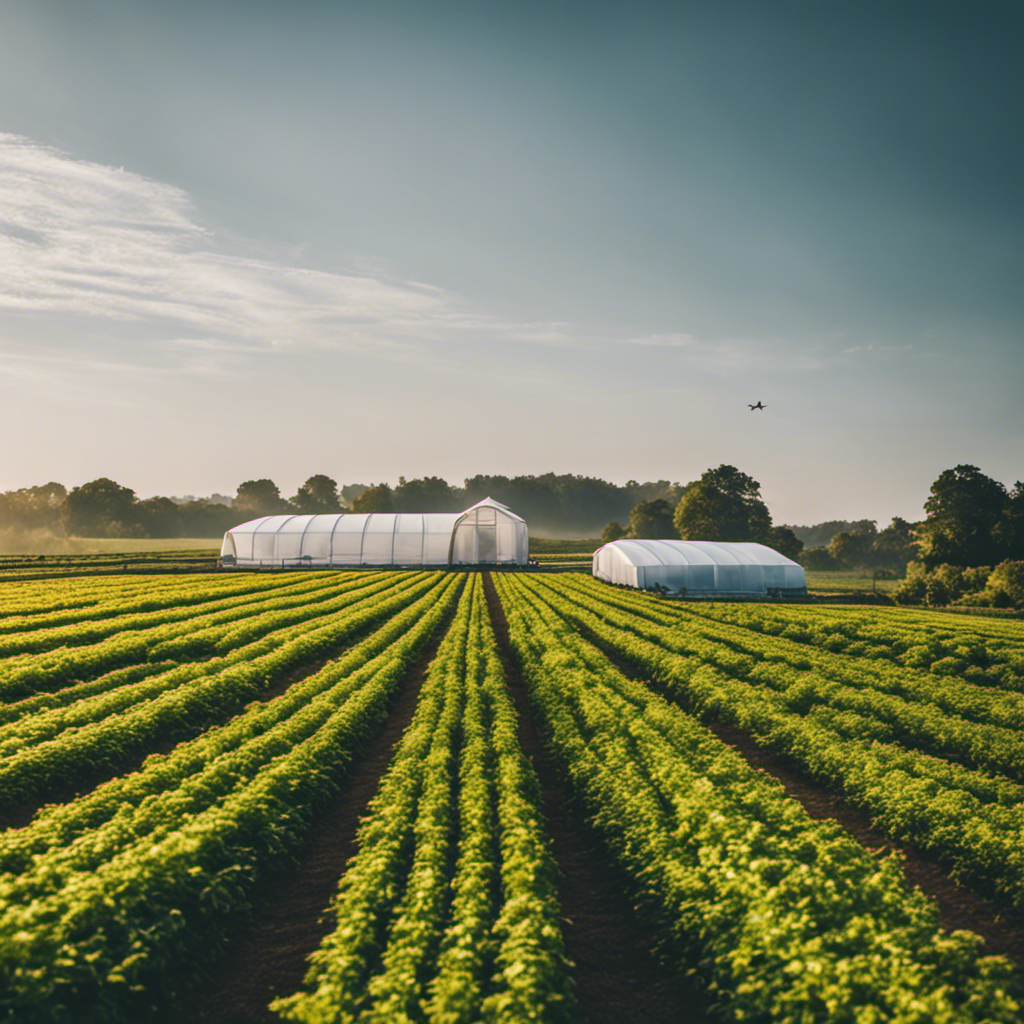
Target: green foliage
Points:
x,y
964,508
100,508
612,532
1005,585
652,520
724,504
783,917
457,813
257,498
317,496
374,499
785,541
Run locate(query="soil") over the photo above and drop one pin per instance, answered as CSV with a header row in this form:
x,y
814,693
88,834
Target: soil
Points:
x,y
268,958
618,976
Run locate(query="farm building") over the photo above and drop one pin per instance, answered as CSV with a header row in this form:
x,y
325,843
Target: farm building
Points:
x,y
699,567
487,533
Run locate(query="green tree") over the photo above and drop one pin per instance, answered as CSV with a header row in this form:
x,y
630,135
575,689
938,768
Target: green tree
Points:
x,y
613,531
1006,584
257,498
785,541
964,509
894,546
429,494
100,508
374,499
317,496
852,550
652,520
724,504
33,507
159,517
1009,531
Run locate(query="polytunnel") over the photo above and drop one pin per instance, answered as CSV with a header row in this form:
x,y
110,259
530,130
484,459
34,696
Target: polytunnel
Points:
x,y
489,533
699,567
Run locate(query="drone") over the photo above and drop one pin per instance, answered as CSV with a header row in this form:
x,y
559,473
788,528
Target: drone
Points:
x,y
758,406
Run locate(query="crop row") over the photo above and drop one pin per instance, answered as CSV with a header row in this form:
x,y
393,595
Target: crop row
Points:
x,y
191,637
981,725
127,607
969,820
785,917
903,641
103,732
455,814
110,901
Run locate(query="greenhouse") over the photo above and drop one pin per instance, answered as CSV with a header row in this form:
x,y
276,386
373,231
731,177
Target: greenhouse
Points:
x,y
486,534
699,567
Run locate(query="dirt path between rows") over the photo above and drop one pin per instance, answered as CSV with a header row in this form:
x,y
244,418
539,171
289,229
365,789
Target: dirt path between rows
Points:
x,y
959,907
617,975
268,959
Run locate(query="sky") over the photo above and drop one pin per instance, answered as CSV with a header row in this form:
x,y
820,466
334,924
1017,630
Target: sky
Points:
x,y
244,240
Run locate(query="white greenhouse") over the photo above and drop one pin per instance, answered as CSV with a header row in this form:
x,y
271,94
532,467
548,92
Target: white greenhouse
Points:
x,y
699,567
488,533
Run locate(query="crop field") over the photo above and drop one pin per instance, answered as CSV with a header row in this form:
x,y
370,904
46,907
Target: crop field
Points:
x,y
454,797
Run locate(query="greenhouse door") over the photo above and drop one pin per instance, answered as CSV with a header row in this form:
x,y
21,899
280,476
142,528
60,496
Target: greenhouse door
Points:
x,y
486,543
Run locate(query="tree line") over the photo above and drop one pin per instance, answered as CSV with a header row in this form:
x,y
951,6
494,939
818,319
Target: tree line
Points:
x,y
564,504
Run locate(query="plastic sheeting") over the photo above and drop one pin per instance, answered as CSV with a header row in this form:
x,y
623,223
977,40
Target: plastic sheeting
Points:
x,y
487,533
698,567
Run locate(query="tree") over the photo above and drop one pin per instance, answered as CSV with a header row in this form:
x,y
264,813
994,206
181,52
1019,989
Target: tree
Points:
x,y
159,517
964,508
1006,584
852,550
430,494
33,507
100,508
1009,531
652,520
374,499
259,498
724,504
317,496
613,531
894,546
785,541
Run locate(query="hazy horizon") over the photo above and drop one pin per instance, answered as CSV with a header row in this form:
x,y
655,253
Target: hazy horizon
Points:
x,y
248,241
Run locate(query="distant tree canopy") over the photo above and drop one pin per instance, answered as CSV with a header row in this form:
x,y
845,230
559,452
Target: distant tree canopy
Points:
x,y
101,508
257,498
651,520
613,532
785,541
33,507
820,534
317,496
965,520
375,499
429,494
724,504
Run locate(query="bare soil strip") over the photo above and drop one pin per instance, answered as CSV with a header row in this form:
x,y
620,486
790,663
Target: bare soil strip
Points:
x,y
268,958
618,977
1001,929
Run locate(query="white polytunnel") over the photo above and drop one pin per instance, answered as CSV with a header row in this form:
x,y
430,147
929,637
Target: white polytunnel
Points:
x,y
488,533
699,567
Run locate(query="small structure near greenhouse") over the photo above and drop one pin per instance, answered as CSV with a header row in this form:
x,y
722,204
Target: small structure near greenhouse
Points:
x,y
486,534
699,568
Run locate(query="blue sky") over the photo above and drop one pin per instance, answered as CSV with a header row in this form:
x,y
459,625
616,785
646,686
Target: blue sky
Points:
x,y
244,240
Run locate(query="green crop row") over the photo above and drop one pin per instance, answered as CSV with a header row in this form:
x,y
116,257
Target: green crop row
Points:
x,y
971,821
455,814
110,903
28,674
784,918
980,725
102,732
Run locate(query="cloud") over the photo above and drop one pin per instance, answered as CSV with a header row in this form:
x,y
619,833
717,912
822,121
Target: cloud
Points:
x,y
82,238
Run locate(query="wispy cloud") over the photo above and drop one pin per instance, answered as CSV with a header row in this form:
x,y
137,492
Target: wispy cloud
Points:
x,y
83,238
